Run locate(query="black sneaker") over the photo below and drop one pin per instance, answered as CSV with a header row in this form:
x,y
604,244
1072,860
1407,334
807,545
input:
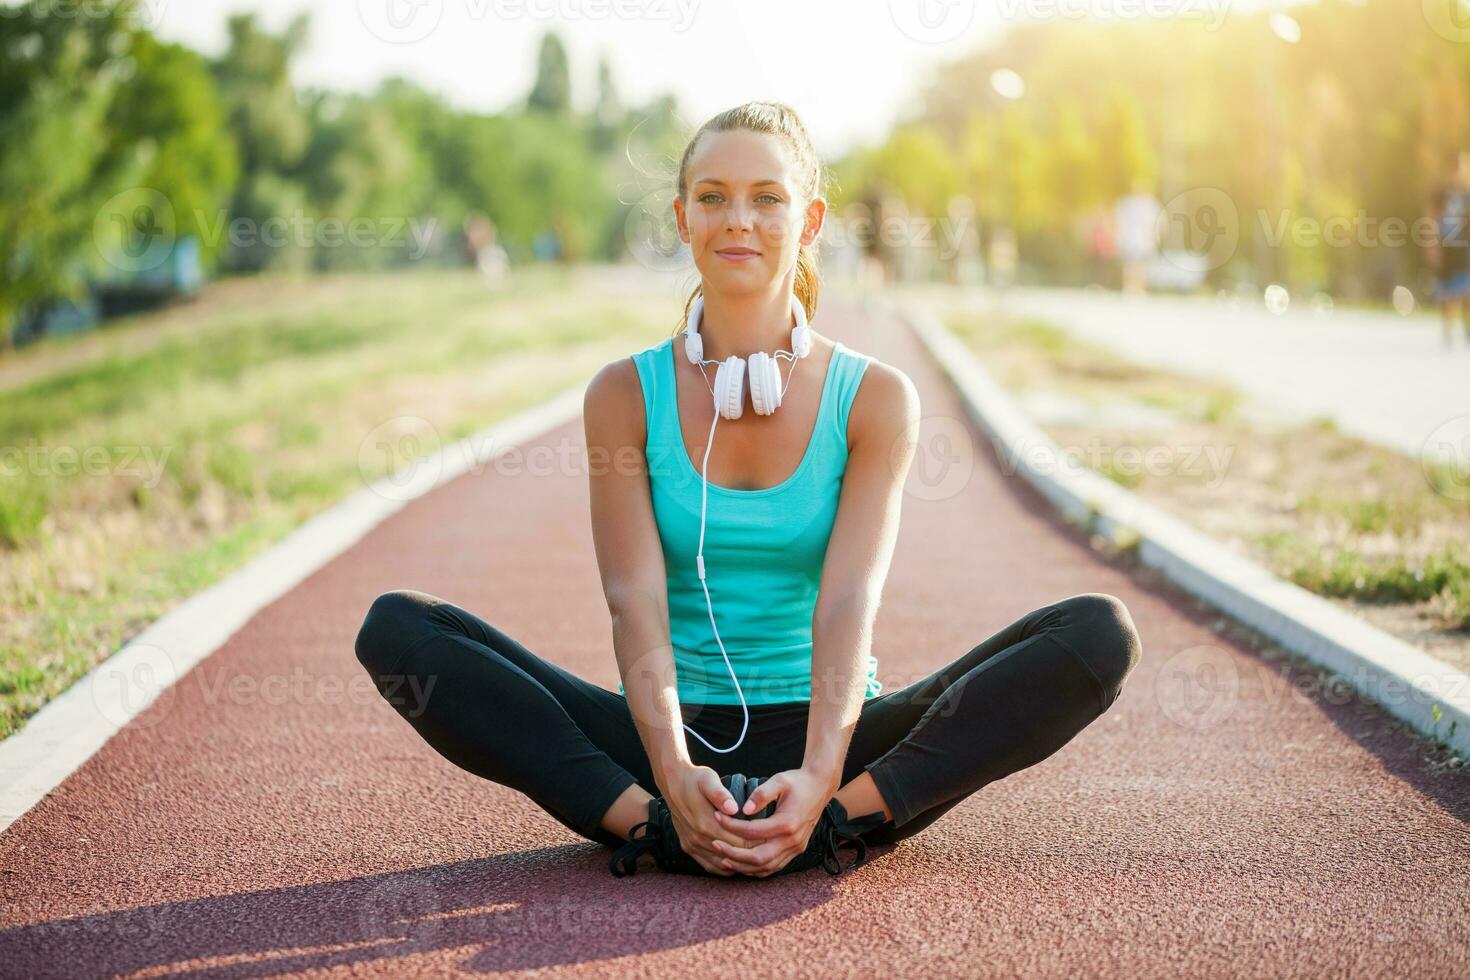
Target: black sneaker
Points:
x,y
833,830
659,838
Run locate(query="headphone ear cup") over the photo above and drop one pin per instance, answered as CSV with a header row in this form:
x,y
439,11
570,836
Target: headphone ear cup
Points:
x,y
765,383
730,387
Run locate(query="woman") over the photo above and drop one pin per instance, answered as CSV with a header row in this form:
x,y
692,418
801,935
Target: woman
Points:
x,y
797,516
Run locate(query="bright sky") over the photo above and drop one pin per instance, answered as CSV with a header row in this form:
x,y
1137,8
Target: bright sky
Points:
x,y
850,68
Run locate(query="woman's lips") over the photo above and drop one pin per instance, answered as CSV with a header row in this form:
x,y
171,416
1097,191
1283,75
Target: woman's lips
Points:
x,y
737,254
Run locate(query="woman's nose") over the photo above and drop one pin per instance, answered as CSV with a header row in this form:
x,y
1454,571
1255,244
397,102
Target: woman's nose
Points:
x,y
737,216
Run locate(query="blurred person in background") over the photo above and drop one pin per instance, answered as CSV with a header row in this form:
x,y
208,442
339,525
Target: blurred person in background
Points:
x,y
1449,252
1102,247
968,268
482,242
1005,256
1137,216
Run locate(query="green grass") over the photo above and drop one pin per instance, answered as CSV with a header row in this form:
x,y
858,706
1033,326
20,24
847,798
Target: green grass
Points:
x,y
1347,573
1399,514
255,415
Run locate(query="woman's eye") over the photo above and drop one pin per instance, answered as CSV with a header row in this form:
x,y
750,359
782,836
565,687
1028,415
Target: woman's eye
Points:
x,y
712,198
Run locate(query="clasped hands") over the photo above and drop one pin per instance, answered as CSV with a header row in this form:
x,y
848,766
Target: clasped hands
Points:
x,y
704,817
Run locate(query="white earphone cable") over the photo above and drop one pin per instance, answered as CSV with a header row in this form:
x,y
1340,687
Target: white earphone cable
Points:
x,y
699,564
699,556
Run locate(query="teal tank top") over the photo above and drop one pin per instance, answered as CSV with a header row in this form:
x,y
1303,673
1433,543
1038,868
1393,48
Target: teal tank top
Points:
x,y
763,549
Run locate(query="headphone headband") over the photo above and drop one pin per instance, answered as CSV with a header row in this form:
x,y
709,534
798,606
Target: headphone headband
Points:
x,y
801,334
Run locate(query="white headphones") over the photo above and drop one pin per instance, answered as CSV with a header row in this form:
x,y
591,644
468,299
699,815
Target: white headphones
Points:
x,y
766,392
765,376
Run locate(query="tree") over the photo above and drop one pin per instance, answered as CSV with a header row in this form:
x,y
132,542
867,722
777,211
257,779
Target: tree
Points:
x,y
272,130
58,168
170,111
552,91
607,114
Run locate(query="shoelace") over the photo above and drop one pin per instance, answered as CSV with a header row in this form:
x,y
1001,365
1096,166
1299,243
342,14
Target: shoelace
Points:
x,y
625,859
833,832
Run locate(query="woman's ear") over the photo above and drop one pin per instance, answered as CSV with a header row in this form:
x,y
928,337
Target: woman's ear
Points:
x,y
680,219
816,215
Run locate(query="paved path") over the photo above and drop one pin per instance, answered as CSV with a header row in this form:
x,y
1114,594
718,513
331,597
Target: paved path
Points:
x,y
1379,375
1215,822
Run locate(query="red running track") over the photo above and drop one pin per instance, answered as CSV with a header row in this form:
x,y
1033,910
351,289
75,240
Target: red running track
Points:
x,y
1224,817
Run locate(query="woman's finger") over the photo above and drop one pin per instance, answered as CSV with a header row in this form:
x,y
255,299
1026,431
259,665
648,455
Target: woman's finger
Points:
x,y
766,827
749,860
749,836
709,859
764,794
719,797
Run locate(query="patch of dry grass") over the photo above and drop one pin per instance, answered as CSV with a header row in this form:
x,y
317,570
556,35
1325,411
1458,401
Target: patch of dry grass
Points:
x,y
213,435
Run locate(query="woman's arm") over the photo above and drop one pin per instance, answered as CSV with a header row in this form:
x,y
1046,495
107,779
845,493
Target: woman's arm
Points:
x,y
882,436
882,431
630,557
631,561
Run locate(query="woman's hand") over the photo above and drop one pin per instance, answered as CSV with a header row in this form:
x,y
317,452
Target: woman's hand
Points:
x,y
800,796
695,797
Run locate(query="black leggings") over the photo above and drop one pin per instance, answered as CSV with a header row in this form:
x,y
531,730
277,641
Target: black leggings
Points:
x,y
494,708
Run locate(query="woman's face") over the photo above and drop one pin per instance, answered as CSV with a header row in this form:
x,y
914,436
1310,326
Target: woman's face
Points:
x,y
742,215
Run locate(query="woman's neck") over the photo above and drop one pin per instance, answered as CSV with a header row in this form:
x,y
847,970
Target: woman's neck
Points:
x,y
746,323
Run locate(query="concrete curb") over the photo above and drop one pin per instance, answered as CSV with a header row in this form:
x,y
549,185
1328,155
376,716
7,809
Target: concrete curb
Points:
x,y
1404,680
69,730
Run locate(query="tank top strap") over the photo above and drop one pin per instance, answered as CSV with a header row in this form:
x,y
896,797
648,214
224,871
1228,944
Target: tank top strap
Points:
x,y
656,377
847,375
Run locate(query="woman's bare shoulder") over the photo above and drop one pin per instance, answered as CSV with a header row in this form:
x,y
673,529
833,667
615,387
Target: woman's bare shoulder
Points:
x,y
613,401
886,403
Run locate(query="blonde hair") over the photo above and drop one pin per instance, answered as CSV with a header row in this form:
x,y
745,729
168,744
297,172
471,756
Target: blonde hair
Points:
x,y
775,119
